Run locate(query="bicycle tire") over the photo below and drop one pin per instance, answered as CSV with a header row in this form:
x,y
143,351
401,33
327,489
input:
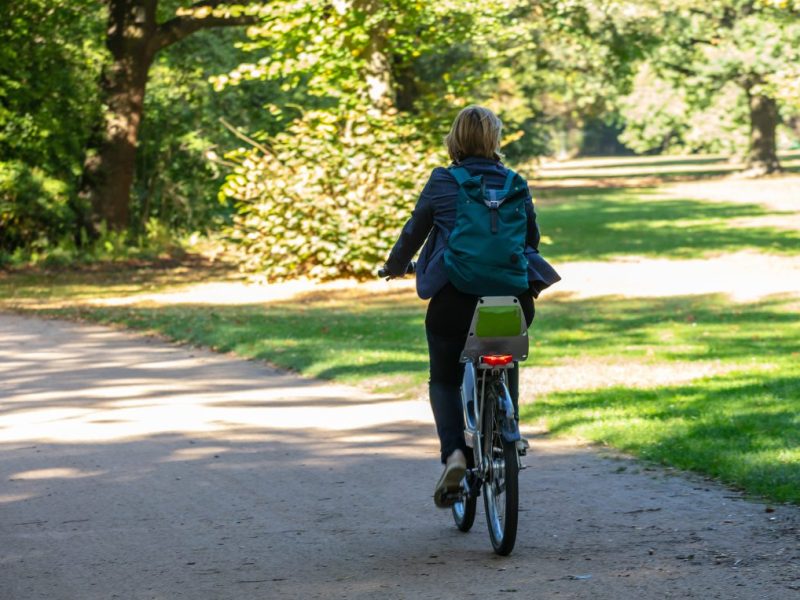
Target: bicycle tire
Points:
x,y
501,487
464,512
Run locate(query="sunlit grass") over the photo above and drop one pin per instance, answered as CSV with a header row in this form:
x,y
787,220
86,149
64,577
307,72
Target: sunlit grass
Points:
x,y
667,329
607,224
742,427
36,286
664,168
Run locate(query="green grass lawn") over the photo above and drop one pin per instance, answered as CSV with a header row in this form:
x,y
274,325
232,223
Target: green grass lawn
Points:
x,y
740,425
602,224
665,168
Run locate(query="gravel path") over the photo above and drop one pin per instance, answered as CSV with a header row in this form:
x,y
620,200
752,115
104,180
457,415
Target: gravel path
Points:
x,y
133,469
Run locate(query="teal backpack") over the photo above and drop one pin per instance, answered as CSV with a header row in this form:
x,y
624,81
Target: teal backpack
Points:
x,y
485,251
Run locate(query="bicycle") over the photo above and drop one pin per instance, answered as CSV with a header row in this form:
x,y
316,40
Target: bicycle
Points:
x,y
497,339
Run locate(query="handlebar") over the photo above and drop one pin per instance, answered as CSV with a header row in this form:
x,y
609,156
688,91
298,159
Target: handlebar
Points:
x,y
411,268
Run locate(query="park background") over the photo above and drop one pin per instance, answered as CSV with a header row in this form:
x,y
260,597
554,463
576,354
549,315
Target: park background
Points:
x,y
232,175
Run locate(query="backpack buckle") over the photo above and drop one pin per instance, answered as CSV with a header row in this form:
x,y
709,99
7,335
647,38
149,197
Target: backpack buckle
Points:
x,y
493,205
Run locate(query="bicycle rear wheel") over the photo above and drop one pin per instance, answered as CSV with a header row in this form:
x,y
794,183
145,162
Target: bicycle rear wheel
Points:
x,y
501,487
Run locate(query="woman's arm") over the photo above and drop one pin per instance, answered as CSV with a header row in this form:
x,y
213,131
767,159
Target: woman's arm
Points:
x,y
533,235
413,235
541,274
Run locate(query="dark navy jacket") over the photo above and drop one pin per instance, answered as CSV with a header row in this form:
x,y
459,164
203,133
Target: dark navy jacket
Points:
x,y
434,217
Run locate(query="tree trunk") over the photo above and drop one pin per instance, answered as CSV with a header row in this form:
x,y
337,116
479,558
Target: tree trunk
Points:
x,y
794,124
133,38
762,156
407,90
109,166
378,75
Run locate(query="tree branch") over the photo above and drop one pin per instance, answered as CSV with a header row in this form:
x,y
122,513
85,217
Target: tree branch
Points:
x,y
238,133
702,13
201,15
700,42
680,69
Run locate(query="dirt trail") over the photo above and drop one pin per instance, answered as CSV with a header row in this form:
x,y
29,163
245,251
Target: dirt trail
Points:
x,y
133,469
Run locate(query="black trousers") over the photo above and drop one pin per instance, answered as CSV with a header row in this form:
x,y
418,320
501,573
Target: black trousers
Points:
x,y
446,326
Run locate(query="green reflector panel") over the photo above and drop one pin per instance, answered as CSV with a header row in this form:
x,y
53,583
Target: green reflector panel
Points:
x,y
498,321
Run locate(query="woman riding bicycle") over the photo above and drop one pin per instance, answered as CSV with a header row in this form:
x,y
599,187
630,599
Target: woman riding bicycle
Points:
x,y
473,144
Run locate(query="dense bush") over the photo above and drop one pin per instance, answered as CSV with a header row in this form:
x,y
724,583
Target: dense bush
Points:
x,y
50,57
34,208
39,224
327,197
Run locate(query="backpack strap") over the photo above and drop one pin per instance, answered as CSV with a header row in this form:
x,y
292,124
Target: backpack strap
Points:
x,y
460,173
507,184
500,195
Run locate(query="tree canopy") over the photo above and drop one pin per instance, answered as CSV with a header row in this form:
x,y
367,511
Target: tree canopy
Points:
x,y
302,131
717,78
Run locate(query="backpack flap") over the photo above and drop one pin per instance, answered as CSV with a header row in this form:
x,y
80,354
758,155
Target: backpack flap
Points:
x,y
485,250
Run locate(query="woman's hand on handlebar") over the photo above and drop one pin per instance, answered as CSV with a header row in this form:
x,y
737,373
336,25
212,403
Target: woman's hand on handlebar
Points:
x,y
385,272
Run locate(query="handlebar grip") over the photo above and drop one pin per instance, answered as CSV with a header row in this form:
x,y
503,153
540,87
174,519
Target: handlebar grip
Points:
x,y
411,268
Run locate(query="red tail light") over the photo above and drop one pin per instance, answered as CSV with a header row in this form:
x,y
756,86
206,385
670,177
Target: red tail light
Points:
x,y
496,360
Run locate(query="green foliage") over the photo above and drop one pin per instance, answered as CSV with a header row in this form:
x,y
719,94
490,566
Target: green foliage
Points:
x,y
177,178
157,242
659,117
317,199
430,56
563,73
703,59
784,85
50,58
34,207
328,196
37,225
399,68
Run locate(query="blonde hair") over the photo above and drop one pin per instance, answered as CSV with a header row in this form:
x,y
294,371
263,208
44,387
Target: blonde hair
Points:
x,y
475,132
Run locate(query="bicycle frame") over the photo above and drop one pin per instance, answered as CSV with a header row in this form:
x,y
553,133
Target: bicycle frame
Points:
x,y
475,406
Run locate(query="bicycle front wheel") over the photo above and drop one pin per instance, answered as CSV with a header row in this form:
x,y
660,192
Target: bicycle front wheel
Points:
x,y
501,486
